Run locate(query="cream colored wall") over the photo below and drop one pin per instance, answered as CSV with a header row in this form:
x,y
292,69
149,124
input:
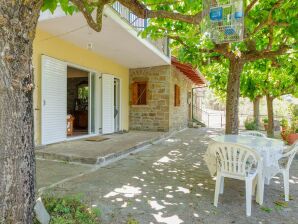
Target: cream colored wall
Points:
x,y
57,48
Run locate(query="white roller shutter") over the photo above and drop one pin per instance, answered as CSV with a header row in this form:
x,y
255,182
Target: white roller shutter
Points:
x,y
54,100
107,104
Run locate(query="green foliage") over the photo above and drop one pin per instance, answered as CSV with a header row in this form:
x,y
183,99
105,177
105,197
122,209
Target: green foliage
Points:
x,y
70,210
265,120
132,221
284,122
273,78
189,45
250,124
266,209
294,110
293,127
53,4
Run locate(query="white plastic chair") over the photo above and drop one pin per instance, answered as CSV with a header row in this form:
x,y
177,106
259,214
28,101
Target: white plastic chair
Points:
x,y
254,133
238,162
284,166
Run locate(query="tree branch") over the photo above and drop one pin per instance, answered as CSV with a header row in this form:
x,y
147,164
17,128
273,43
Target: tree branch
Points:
x,y
223,50
178,39
95,24
143,12
250,6
255,55
269,20
269,46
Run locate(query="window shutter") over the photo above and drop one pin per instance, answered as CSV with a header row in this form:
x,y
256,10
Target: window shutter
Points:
x,y
178,100
142,94
177,96
135,93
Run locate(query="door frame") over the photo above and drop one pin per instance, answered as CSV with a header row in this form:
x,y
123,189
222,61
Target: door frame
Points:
x,y
118,100
90,71
68,64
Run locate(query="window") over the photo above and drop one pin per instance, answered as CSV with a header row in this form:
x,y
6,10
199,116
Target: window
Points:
x,y
139,93
177,96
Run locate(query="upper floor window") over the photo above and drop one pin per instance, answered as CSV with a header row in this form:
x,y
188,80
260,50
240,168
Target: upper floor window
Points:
x,y
139,93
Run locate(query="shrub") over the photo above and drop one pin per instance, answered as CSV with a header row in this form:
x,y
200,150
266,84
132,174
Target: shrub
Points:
x,y
284,122
250,124
69,210
265,120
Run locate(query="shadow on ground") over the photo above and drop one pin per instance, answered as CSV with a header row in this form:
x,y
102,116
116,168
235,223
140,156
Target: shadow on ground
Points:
x,y
170,183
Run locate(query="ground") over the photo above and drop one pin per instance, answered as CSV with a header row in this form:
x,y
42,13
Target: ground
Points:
x,y
169,183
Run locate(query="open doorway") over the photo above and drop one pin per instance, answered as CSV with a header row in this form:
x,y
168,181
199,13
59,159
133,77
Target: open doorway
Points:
x,y
77,102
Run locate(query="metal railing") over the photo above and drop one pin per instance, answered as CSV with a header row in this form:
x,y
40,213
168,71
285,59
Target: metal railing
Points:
x,y
218,119
140,25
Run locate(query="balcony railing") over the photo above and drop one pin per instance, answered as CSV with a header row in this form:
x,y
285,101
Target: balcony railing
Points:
x,y
140,24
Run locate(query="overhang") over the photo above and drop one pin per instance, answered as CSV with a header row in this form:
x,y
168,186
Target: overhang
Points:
x,y
118,40
193,74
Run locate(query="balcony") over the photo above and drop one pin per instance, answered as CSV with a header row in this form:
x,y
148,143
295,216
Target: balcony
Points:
x,y
119,39
140,24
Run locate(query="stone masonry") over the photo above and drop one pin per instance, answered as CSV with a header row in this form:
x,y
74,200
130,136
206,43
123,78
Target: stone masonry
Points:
x,y
180,115
160,114
155,115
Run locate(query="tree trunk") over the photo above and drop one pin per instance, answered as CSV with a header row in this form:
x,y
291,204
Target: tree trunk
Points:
x,y
233,94
18,21
256,104
270,129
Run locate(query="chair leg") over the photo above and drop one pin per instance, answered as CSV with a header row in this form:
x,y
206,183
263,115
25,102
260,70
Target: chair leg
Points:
x,y
248,185
286,184
260,190
217,189
222,185
254,186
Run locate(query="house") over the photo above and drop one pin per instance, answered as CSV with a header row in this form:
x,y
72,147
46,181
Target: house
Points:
x,y
84,79
161,96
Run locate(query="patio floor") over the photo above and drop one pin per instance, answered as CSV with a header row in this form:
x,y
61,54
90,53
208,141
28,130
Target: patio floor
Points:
x,y
169,183
92,152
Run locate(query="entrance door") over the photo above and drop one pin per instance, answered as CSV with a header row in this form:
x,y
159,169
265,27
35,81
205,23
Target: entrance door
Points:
x,y
54,99
108,104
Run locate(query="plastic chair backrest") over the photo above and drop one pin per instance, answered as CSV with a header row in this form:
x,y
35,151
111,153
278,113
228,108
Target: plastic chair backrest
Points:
x,y
235,159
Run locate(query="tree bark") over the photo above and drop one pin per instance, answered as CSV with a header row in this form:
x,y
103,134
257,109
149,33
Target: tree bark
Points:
x,y
18,21
256,104
270,129
233,94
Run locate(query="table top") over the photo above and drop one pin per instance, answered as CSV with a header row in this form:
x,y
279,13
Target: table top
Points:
x,y
250,141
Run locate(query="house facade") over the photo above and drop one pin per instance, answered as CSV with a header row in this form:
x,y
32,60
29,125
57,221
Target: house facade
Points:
x,y
161,96
83,79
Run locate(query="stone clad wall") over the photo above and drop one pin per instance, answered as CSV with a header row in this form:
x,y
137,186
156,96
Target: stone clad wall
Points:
x,y
180,115
155,115
160,114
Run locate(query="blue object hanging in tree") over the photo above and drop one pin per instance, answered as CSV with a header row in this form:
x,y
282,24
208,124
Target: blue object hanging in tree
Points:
x,y
216,14
229,30
238,15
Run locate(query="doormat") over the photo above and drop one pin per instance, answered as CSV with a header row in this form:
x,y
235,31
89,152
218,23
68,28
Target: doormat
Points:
x,y
96,139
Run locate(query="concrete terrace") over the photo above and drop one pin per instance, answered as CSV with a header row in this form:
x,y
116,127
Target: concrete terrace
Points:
x,y
92,152
167,183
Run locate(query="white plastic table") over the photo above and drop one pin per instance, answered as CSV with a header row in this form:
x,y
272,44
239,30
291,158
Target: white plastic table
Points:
x,y
269,149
